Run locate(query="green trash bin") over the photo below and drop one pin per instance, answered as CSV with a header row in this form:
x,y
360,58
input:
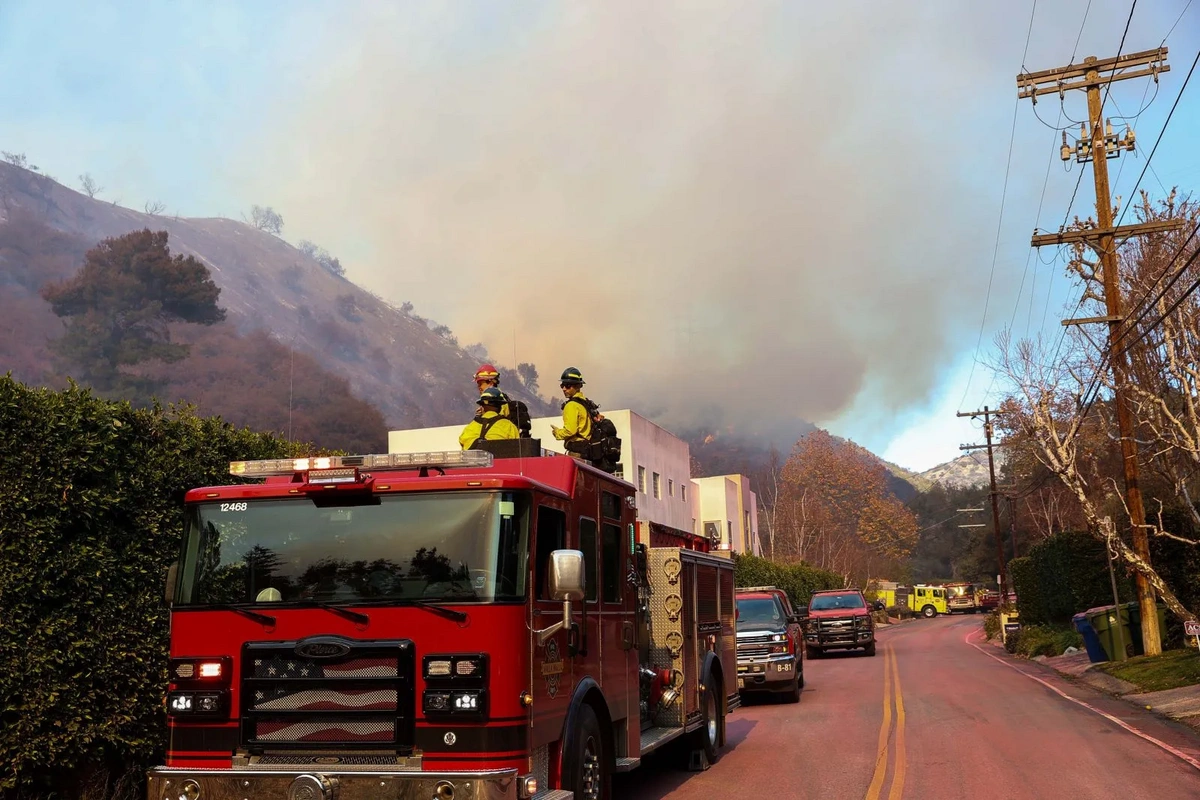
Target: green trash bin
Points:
x,y
1104,621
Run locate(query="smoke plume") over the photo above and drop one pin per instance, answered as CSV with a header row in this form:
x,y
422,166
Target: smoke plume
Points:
x,y
723,212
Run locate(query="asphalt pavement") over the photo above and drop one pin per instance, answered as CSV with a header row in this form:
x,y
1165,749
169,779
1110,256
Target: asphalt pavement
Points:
x,y
937,713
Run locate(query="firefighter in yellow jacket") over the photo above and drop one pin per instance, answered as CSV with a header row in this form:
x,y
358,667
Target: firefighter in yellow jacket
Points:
x,y
576,430
488,424
488,377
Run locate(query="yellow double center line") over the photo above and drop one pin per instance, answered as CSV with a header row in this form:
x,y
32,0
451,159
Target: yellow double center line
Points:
x,y
891,692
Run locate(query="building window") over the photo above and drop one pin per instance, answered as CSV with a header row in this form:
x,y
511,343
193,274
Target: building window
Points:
x,y
683,492
670,488
641,479
657,486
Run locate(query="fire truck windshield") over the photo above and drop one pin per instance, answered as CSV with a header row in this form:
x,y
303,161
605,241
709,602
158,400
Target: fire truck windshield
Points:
x,y
451,547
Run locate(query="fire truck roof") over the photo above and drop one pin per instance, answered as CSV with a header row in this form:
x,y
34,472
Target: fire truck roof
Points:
x,y
405,472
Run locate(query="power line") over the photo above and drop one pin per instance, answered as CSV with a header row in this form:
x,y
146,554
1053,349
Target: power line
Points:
x,y
1142,308
1181,13
1079,36
1157,141
1146,304
1079,180
1178,301
1012,135
1038,216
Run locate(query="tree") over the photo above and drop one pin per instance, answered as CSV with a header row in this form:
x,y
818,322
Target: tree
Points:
x,y
1046,410
16,159
155,207
119,307
529,376
90,187
321,256
333,265
834,509
266,219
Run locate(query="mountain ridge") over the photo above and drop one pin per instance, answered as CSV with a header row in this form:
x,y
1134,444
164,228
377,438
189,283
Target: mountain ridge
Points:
x,y
416,374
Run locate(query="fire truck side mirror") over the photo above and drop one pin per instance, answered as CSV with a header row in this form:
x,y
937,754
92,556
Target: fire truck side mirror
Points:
x,y
169,589
566,585
566,575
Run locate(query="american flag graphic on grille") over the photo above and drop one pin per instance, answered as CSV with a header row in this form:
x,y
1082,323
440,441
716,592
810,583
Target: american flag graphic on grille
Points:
x,y
350,700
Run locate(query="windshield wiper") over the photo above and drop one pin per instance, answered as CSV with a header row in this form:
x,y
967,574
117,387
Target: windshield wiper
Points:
x,y
264,619
353,616
449,613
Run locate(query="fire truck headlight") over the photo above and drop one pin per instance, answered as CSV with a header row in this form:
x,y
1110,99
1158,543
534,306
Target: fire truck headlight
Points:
x,y
197,704
190,790
779,637
437,701
466,701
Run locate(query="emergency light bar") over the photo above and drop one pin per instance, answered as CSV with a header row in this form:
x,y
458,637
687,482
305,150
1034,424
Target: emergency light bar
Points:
x,y
275,467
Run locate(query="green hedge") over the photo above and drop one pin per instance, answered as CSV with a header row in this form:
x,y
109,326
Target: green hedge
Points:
x,y
1063,575
798,580
1046,640
90,516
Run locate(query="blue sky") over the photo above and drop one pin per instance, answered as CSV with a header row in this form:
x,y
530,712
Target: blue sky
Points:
x,y
802,198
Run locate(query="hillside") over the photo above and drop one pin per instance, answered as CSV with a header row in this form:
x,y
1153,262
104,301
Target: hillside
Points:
x,y
963,472
728,451
389,357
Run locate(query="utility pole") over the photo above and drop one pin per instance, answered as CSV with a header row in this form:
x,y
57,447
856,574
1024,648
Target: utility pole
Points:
x,y
987,415
1098,145
1012,522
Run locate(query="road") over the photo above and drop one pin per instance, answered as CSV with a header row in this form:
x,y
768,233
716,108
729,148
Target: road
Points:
x,y
958,720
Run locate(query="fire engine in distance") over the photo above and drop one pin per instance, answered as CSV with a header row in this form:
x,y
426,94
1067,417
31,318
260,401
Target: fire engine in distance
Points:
x,y
445,625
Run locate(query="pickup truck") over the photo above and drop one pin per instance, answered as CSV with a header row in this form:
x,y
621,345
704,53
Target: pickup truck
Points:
x,y
838,619
769,638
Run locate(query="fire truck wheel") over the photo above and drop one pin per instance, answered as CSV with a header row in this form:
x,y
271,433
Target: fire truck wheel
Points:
x,y
929,612
708,735
870,649
586,768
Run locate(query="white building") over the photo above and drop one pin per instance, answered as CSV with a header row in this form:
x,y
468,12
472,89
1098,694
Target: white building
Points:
x,y
654,460
725,509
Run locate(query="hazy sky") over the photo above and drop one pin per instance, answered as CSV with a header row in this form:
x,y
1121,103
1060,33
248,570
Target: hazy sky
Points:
x,y
745,212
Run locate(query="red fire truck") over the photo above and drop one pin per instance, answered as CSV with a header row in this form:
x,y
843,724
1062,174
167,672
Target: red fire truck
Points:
x,y
435,625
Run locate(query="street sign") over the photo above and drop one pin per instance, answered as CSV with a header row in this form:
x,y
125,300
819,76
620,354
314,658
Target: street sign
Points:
x,y
1191,627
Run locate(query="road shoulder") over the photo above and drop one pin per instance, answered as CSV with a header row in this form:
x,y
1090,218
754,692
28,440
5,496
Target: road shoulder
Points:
x,y
1179,705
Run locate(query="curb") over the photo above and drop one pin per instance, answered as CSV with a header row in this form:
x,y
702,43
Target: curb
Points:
x,y
1120,690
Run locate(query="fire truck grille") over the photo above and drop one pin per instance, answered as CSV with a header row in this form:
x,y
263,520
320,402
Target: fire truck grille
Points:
x,y
324,731
361,694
